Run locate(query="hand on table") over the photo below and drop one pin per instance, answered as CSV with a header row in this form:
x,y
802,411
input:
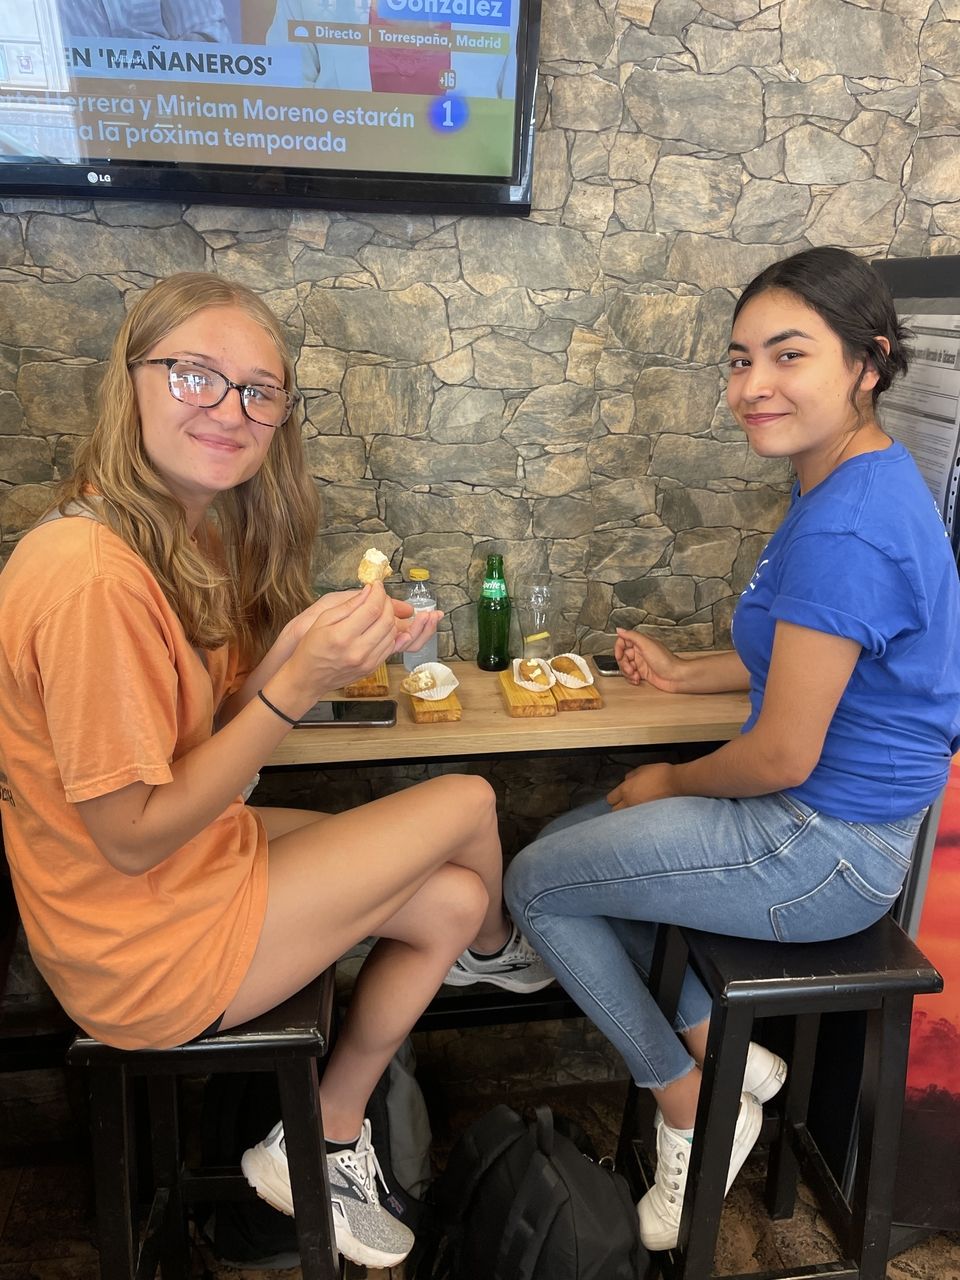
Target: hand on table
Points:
x,y
644,660
646,782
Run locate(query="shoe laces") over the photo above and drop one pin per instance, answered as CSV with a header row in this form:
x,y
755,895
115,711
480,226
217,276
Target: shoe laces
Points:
x,y
672,1157
519,948
362,1166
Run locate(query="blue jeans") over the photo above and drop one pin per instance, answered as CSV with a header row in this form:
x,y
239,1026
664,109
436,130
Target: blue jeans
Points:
x,y
589,892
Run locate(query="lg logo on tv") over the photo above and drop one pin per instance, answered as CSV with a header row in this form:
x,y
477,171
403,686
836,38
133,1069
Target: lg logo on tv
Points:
x,y
98,177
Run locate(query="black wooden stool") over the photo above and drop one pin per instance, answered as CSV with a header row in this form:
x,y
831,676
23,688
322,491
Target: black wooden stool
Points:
x,y
288,1040
878,972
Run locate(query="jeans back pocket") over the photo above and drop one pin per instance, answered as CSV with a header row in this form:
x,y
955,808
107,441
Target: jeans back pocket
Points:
x,y
843,903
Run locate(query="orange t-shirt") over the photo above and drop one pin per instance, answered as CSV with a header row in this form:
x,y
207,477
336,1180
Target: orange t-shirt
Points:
x,y
99,688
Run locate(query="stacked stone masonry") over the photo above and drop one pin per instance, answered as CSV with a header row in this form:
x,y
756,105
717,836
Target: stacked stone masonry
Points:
x,y
550,388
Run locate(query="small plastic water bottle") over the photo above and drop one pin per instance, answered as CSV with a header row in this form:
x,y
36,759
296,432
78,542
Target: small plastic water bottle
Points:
x,y
421,597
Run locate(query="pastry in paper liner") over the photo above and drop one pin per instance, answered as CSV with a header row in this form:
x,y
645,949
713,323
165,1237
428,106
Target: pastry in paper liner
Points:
x,y
567,678
535,686
444,682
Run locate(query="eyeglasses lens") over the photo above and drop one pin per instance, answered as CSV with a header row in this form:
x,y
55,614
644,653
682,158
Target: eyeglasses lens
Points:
x,y
266,405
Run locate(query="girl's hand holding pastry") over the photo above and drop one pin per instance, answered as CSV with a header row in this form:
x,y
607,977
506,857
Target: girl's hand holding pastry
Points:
x,y
345,641
415,628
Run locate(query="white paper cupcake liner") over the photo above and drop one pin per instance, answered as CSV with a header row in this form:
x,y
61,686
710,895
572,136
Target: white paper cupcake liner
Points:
x,y
530,684
569,681
446,682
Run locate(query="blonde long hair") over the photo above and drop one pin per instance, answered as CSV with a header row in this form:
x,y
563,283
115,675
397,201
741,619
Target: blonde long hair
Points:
x,y
261,578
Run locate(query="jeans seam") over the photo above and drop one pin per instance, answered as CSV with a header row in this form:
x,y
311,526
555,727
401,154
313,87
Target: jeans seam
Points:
x,y
561,964
640,877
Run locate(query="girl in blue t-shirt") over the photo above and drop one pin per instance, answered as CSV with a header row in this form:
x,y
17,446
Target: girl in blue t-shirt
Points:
x,y
801,828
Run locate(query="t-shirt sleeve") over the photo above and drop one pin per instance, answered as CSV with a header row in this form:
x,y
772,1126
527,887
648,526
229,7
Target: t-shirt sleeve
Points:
x,y
109,687
844,586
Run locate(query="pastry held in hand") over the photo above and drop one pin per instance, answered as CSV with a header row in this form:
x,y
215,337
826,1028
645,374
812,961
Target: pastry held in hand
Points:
x,y
571,670
374,566
533,674
442,682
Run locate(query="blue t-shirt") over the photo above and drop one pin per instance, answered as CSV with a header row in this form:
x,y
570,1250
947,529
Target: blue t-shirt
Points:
x,y
865,555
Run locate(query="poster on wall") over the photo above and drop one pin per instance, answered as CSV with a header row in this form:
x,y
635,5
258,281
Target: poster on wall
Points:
x,y
928,1171
922,409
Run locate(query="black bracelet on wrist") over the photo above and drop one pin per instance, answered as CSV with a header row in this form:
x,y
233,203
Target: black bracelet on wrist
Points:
x,y
276,710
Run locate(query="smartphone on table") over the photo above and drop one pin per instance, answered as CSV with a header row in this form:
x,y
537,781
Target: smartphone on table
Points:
x,y
349,713
606,664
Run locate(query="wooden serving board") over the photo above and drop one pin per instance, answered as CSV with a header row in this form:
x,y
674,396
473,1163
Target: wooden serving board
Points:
x,y
523,702
375,685
441,709
586,698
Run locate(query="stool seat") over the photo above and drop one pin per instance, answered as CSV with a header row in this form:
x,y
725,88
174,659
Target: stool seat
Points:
x,y
288,1040
299,1025
877,973
841,973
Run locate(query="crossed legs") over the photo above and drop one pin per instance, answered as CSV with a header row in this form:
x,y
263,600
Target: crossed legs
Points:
x,y
421,871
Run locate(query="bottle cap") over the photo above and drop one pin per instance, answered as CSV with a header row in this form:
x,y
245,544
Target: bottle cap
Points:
x,y
419,575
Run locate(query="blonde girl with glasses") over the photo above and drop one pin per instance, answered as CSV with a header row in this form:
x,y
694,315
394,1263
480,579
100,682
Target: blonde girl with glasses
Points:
x,y
158,638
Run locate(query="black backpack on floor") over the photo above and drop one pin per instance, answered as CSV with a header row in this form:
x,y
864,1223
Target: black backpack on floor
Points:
x,y
525,1201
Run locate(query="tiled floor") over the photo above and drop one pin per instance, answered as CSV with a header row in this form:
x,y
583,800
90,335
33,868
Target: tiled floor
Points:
x,y
46,1232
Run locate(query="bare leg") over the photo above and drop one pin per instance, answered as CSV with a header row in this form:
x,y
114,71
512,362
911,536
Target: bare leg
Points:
x,y
421,870
396,983
678,1101
695,1038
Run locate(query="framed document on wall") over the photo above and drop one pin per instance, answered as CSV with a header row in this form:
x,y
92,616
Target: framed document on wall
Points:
x,y
922,410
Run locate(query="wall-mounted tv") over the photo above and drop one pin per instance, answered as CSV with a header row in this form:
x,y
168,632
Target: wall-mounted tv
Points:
x,y
414,105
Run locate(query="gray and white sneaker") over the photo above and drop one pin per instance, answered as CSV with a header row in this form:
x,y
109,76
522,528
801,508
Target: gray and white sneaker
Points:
x,y
516,968
365,1232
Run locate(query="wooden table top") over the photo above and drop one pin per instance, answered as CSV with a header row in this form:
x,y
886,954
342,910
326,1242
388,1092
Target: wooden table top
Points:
x,y
630,717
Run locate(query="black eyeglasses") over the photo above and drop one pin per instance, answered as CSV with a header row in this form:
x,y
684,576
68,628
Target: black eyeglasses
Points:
x,y
262,402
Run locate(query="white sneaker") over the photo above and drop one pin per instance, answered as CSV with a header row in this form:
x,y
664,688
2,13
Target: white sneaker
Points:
x,y
516,968
365,1232
764,1074
659,1210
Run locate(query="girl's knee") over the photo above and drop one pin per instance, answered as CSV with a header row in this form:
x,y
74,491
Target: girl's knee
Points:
x,y
459,899
472,797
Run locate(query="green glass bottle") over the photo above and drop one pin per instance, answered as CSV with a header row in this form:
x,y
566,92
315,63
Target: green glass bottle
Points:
x,y
493,619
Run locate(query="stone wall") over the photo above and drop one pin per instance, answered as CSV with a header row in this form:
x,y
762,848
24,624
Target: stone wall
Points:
x,y
551,388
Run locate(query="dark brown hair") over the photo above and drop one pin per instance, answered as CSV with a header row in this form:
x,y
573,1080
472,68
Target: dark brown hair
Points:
x,y
850,296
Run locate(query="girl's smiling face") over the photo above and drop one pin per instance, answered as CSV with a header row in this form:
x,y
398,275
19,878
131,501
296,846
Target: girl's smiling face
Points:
x,y
202,452
790,387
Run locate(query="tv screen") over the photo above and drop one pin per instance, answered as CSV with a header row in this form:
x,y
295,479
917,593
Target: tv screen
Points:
x,y
404,104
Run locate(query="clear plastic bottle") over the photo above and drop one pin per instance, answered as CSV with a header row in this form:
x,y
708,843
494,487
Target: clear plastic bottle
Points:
x,y
537,624
421,597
